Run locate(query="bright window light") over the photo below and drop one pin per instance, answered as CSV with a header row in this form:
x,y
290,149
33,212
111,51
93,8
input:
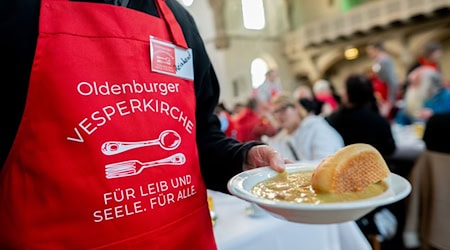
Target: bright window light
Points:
x,y
187,2
253,14
351,53
258,71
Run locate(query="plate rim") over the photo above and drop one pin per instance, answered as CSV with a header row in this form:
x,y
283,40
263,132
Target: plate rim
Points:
x,y
235,187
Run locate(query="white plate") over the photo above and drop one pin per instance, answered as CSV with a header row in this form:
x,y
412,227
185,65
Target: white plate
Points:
x,y
326,213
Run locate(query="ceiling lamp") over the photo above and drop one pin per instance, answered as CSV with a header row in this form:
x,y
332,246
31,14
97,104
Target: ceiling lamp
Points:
x,y
351,53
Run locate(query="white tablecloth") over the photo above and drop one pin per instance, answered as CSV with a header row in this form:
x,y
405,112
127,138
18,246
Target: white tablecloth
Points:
x,y
409,145
235,230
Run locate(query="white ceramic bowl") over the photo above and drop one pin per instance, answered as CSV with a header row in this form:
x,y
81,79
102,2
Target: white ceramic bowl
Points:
x,y
326,213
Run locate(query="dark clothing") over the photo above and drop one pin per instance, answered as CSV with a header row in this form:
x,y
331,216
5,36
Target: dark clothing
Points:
x,y
360,125
220,157
437,133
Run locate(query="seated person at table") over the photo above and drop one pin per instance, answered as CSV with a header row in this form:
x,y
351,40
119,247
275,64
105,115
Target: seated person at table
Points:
x,y
358,119
437,133
426,95
226,120
253,122
303,135
323,92
305,91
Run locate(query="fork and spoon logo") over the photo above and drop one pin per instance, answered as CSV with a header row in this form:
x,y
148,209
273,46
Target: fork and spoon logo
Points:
x,y
168,140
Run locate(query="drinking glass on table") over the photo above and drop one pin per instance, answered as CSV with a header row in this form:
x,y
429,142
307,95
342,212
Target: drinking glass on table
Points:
x,y
212,211
419,128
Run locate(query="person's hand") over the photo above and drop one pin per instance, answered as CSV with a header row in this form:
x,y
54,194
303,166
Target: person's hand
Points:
x,y
425,114
263,155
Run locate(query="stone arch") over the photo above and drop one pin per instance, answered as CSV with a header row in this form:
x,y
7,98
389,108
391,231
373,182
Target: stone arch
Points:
x,y
327,60
270,60
418,42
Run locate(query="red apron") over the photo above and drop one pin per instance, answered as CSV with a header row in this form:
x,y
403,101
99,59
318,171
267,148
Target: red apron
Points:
x,y
105,155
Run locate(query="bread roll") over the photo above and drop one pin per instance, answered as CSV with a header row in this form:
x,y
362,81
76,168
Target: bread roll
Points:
x,y
350,169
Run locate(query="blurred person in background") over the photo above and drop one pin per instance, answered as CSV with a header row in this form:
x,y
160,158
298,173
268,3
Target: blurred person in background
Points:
x,y
254,121
237,108
430,57
226,120
269,88
380,89
305,91
80,77
426,95
303,135
358,119
384,68
437,133
323,92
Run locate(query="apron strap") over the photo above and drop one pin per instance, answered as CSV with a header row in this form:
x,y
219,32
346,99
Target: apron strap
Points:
x,y
173,25
168,17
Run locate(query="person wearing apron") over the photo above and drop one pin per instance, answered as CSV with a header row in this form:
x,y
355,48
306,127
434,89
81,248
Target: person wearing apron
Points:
x,y
116,133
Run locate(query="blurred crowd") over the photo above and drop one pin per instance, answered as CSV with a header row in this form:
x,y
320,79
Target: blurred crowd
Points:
x,y
362,111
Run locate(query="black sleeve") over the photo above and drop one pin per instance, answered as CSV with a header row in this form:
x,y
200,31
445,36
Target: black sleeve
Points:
x,y
19,28
437,133
387,144
220,157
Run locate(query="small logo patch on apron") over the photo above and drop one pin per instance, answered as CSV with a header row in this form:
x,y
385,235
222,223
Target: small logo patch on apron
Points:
x,y
167,58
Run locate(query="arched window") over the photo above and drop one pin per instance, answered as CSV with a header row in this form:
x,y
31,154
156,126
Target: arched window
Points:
x,y
258,71
253,14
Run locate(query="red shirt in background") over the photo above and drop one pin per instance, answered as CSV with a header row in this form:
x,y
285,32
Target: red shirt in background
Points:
x,y
250,126
380,88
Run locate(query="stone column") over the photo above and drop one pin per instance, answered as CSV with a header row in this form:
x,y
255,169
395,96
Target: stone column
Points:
x,y
222,39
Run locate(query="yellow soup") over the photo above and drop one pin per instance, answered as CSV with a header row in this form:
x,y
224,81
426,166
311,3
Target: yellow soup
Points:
x,y
296,187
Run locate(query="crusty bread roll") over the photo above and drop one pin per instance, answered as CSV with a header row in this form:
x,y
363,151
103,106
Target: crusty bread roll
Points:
x,y
350,169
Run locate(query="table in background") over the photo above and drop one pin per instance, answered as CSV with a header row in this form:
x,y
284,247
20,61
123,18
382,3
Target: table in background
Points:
x,y
409,144
235,230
